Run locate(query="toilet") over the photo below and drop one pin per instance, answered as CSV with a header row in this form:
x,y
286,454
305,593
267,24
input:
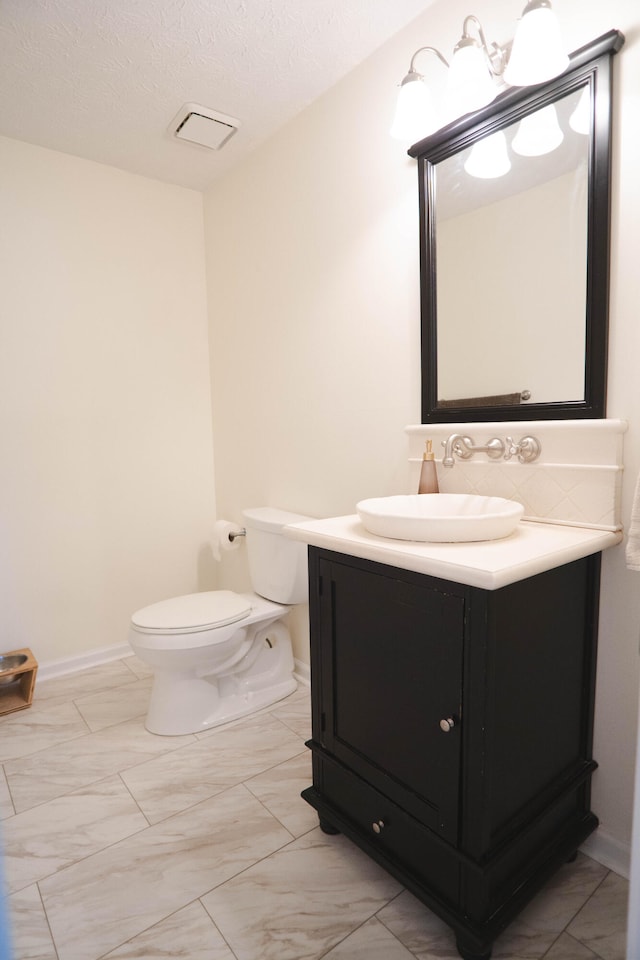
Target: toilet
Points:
x,y
219,655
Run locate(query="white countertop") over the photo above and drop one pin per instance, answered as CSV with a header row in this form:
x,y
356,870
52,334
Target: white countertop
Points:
x,y
532,548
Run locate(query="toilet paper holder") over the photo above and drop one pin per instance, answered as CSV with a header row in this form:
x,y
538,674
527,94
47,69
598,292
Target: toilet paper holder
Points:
x,y
225,537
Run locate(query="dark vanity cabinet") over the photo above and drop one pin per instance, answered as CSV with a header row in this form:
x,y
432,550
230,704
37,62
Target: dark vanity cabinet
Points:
x,y
452,729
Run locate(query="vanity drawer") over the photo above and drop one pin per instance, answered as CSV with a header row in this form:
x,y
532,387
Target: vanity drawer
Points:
x,y
386,828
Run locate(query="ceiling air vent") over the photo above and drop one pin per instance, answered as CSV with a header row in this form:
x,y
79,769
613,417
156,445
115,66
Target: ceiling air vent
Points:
x,y
208,128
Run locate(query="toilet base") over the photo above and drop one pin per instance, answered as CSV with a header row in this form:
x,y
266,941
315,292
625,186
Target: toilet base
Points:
x,y
184,702
229,708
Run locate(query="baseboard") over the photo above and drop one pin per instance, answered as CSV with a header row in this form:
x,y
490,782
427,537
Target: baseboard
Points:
x,y
82,661
608,851
302,672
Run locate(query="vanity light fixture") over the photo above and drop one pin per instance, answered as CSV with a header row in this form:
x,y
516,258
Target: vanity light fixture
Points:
x,y
479,71
471,84
538,53
416,115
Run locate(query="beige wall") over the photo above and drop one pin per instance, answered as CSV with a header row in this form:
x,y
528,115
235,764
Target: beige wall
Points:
x,y
107,474
312,261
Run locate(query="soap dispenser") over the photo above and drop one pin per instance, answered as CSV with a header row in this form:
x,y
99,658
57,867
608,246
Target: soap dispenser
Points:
x,y
428,476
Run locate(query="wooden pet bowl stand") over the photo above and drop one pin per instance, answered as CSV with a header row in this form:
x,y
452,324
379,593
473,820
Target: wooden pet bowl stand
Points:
x,y
18,694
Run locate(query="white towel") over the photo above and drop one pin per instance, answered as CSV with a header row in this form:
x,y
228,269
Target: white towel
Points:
x,y
633,537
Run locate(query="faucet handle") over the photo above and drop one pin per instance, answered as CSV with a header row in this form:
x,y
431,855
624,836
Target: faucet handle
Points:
x,y
526,450
512,448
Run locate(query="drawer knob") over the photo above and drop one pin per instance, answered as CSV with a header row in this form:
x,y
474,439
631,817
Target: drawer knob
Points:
x,y
447,724
377,826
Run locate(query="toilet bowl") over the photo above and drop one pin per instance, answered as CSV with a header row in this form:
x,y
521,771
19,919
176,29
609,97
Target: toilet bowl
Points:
x,y
219,655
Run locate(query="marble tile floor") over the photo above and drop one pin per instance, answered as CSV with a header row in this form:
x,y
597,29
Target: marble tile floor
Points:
x,y
119,844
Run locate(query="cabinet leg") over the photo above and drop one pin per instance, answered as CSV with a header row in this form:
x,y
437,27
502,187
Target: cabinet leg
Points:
x,y
327,827
573,857
467,953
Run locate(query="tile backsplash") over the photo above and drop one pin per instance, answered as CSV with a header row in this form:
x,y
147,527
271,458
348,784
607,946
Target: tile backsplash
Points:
x,y
576,480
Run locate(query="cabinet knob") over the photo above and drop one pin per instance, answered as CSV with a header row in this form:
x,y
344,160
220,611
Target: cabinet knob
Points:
x,y
377,826
448,724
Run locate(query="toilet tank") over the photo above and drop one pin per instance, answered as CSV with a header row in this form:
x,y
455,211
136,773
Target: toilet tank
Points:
x,y
277,565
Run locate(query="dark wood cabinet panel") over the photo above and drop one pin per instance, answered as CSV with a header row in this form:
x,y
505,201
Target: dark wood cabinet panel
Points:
x,y
393,652
452,729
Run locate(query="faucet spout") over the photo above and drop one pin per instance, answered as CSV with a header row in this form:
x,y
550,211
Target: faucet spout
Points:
x,y
458,444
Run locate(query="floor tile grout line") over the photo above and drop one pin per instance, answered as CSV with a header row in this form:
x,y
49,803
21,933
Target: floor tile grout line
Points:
x,y
91,733
597,955
126,787
71,698
69,793
46,917
10,794
232,951
149,826
265,712
235,783
345,937
250,866
69,701
65,740
245,784
139,763
123,661
585,902
24,756
386,925
373,916
163,920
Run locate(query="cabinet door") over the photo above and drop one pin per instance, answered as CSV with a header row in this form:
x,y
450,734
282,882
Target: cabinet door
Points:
x,y
391,671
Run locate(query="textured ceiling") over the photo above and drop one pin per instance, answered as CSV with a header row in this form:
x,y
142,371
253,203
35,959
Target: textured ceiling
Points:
x,y
102,79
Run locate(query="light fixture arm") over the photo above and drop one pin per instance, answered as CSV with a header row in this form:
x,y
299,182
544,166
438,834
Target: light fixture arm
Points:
x,y
412,65
496,56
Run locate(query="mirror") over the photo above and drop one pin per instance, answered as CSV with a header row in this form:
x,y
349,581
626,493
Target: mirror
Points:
x,y
515,251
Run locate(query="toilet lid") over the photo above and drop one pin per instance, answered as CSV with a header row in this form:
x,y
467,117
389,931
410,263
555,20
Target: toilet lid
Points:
x,y
196,611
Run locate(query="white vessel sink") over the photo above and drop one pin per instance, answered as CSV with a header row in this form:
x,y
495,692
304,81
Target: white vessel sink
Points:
x,y
440,517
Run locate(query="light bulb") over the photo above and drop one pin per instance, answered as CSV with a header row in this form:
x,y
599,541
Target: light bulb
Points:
x,y
415,116
538,53
469,84
489,158
539,133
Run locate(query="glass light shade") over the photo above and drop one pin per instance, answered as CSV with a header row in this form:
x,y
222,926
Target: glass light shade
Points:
x,y
489,158
538,53
539,133
415,116
580,119
469,83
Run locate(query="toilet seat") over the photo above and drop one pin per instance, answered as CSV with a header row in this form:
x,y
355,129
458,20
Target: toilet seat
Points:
x,y
192,613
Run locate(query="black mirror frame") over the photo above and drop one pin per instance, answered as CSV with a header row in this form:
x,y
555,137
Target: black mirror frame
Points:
x,y
590,64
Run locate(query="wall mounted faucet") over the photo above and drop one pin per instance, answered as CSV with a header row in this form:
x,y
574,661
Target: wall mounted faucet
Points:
x,y
457,445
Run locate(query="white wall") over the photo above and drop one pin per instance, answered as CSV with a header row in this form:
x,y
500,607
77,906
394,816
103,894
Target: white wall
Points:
x,y
312,264
105,421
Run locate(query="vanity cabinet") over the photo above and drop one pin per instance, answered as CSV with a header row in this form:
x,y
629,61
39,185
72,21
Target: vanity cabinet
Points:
x,y
452,729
